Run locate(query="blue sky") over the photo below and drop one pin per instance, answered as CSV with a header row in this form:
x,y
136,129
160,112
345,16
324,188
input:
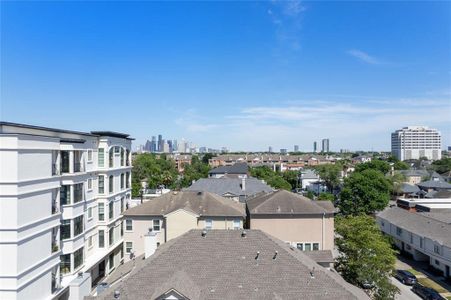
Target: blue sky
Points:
x,y
245,75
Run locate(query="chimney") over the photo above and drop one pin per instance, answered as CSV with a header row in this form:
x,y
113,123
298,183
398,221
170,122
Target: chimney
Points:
x,y
150,243
243,184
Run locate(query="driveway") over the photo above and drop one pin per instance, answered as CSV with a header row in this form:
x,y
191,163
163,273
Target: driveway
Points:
x,y
405,291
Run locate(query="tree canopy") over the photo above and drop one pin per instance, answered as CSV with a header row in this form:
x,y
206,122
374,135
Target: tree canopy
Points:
x,y
366,256
274,179
364,192
330,173
375,164
443,165
198,169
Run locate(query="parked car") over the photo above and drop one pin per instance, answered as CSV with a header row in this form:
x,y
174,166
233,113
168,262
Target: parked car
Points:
x,y
426,293
405,277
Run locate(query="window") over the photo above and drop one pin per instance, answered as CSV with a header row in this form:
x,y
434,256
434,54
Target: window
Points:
x,y
315,246
111,236
411,238
65,194
78,225
208,223
128,247
101,184
89,155
128,225
101,157
111,261
421,242
236,224
398,231
101,238
308,247
122,229
383,223
78,258
111,158
111,210
89,213
437,262
122,157
437,249
111,183
89,184
65,264
300,246
90,242
101,211
127,180
65,229
122,204
156,225
122,181
78,192
127,162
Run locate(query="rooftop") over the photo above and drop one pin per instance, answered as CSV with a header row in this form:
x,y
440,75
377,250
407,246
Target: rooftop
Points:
x,y
237,168
200,203
225,265
283,202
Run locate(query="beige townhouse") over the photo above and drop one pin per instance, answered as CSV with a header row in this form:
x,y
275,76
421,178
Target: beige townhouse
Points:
x,y
175,213
294,219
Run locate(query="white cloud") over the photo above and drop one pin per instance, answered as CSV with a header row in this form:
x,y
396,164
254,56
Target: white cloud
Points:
x,y
364,57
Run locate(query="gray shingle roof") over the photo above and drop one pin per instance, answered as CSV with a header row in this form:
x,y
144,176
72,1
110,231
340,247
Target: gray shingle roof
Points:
x,y
221,186
201,203
409,188
283,202
321,256
435,184
223,265
423,224
237,168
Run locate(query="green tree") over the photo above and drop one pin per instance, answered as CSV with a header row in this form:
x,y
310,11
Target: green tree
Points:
x,y
366,256
326,196
198,169
375,164
397,180
274,179
330,173
364,193
310,195
397,164
207,157
443,165
292,177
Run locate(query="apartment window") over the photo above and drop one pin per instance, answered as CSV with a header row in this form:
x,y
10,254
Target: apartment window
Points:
x,y
111,236
436,249
127,157
90,242
398,231
128,247
65,161
78,225
421,242
208,223
78,258
127,180
122,157
101,184
89,213
101,238
315,246
236,224
383,223
437,262
65,194
300,246
308,247
111,157
89,184
101,157
122,181
65,264
101,211
111,261
411,238
65,230
156,225
111,184
122,204
78,192
128,225
122,229
111,210
89,155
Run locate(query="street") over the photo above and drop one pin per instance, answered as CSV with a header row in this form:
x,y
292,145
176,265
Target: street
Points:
x,y
405,291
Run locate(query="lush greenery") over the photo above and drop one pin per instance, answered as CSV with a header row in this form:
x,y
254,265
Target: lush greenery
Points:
x,y
157,171
330,173
366,256
397,164
273,178
375,164
364,192
326,196
442,166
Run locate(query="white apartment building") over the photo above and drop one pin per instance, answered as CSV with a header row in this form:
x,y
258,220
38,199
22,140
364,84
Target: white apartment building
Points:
x,y
414,142
61,198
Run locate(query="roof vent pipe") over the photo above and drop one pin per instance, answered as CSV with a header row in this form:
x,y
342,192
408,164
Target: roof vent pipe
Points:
x,y
275,255
243,234
258,254
204,233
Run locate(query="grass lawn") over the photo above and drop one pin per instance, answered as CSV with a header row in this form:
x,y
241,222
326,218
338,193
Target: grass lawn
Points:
x,y
415,272
432,284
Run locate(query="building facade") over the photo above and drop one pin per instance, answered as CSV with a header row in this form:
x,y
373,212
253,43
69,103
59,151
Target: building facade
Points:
x,y
414,142
325,145
61,198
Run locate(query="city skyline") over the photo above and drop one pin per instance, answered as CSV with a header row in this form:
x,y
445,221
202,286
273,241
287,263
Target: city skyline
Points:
x,y
278,76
